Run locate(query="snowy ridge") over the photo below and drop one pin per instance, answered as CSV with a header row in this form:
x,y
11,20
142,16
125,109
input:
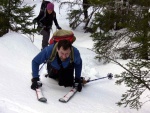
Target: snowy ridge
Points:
x,y
17,97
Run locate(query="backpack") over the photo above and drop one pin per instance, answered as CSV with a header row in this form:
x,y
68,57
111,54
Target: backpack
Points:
x,y
61,35
44,5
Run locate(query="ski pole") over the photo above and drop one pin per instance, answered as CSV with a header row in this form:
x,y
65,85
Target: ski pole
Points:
x,y
109,76
41,30
42,66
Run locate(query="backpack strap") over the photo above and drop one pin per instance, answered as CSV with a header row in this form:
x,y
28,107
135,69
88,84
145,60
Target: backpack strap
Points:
x,y
44,15
72,55
54,52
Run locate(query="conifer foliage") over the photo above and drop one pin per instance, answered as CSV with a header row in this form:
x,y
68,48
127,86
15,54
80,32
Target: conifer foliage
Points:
x,y
122,31
15,16
79,16
130,42
137,79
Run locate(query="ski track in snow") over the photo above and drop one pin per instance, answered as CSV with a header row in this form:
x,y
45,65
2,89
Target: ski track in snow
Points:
x,y
7,106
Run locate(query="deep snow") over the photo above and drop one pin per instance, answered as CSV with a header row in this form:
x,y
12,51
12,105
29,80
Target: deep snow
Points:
x,y
17,52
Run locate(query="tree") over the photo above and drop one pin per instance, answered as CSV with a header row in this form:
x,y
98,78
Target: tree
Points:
x,y
85,8
131,42
81,15
17,17
137,78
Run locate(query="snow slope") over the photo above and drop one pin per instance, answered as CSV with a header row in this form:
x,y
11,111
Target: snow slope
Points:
x,y
17,52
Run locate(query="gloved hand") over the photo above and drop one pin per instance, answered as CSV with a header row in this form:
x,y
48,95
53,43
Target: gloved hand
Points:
x,y
40,25
58,27
77,84
35,83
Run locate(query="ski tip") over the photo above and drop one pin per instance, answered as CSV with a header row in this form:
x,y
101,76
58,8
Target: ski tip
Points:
x,y
42,99
62,100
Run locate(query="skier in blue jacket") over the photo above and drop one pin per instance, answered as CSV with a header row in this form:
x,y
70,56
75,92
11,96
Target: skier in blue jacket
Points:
x,y
66,60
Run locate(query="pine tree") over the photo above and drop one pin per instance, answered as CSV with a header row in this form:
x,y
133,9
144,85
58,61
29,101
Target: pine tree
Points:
x,y
136,78
74,18
17,17
132,41
81,15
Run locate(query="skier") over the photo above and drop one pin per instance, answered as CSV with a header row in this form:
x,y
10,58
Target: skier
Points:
x,y
66,60
45,21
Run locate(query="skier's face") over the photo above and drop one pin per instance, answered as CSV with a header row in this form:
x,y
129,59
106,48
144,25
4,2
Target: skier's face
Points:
x,y
49,11
63,54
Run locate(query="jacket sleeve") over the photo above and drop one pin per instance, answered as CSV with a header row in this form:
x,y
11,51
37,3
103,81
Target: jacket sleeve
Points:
x,y
41,14
77,63
55,20
39,59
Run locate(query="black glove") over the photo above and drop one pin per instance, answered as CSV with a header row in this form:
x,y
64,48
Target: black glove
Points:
x,y
58,27
77,84
35,83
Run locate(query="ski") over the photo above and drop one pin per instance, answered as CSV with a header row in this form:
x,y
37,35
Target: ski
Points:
x,y
73,91
39,93
84,80
68,96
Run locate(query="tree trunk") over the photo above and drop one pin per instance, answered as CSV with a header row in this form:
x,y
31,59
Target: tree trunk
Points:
x,y
85,8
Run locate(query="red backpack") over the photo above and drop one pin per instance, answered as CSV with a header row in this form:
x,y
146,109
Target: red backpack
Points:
x,y
62,35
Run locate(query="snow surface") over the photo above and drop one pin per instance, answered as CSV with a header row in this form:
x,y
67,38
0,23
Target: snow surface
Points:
x,y
17,52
